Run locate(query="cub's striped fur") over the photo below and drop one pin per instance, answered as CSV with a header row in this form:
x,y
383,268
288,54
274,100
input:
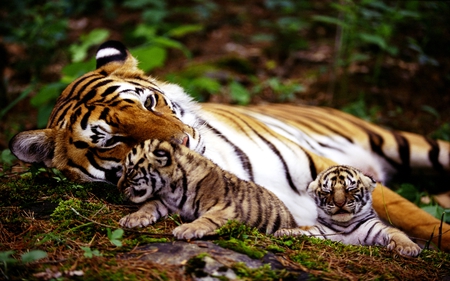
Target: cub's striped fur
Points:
x,y
344,197
171,178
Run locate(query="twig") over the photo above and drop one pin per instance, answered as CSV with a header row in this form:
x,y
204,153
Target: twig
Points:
x,y
384,204
440,230
126,229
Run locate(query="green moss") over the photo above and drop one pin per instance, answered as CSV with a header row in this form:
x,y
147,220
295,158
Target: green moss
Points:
x,y
243,247
195,266
237,230
262,273
275,249
67,210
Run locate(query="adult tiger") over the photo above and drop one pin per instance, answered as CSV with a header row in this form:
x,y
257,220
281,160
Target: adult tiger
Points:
x,y
100,116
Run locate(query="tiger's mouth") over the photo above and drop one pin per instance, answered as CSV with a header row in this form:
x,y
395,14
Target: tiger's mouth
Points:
x,y
342,211
138,192
342,215
185,141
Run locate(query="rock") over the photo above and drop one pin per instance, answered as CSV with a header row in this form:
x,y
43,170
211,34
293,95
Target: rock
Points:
x,y
205,261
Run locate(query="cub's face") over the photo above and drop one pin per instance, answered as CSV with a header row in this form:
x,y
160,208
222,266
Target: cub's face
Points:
x,y
341,192
148,170
99,117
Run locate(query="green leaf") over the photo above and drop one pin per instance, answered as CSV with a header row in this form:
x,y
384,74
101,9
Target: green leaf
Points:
x,y
373,39
74,70
44,112
95,37
431,110
436,211
150,57
153,16
330,20
49,92
116,243
117,234
114,236
33,255
13,103
184,29
6,157
169,43
89,253
5,257
357,57
207,84
146,31
409,192
239,93
443,132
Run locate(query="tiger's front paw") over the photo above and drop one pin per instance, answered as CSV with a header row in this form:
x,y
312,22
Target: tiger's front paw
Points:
x,y
137,219
189,231
404,246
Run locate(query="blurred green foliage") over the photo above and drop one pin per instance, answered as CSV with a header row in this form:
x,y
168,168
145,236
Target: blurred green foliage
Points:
x,y
366,30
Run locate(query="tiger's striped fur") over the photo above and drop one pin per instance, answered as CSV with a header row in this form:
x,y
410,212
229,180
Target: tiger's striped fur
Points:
x,y
343,196
102,115
171,178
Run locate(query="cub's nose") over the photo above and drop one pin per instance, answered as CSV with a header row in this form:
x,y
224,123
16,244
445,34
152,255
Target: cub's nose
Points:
x,y
340,202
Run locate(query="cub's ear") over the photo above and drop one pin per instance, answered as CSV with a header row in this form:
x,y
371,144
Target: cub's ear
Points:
x,y
313,186
113,55
35,146
368,182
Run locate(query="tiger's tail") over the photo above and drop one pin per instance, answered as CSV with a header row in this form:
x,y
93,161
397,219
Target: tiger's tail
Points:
x,y
417,223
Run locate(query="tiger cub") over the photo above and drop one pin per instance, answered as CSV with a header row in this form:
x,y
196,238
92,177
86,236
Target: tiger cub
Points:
x,y
171,178
343,196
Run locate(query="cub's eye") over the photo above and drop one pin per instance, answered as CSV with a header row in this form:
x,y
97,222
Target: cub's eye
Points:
x,y
150,102
352,185
161,153
326,191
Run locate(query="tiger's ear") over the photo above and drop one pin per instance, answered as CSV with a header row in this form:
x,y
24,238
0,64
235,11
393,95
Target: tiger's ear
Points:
x,y
113,55
35,146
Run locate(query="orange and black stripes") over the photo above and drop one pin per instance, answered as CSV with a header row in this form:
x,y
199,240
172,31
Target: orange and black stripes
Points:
x,y
201,189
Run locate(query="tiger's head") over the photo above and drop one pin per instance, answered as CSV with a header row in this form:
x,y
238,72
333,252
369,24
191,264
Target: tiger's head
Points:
x,y
100,116
149,168
342,192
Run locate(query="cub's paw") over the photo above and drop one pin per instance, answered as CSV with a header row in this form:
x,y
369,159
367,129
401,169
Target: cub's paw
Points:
x,y
137,219
404,246
291,231
189,231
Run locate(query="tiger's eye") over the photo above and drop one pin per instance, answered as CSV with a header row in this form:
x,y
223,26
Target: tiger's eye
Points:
x,y
150,102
